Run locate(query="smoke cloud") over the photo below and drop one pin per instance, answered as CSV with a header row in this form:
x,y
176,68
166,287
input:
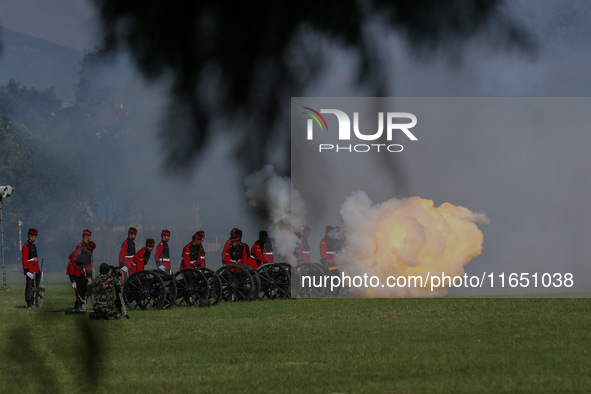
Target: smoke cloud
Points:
x,y
407,237
280,204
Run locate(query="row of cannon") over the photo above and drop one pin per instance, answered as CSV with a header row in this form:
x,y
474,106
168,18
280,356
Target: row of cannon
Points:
x,y
156,289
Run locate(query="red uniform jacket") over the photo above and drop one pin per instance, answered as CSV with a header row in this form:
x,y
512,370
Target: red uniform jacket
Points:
x,y
162,255
225,249
78,251
73,268
268,251
193,256
326,253
303,254
258,252
30,259
237,255
127,252
139,261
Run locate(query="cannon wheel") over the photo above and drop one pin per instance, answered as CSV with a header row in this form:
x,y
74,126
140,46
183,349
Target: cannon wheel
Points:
x,y
275,282
144,290
191,287
171,288
315,273
38,292
215,284
294,280
327,272
255,279
237,283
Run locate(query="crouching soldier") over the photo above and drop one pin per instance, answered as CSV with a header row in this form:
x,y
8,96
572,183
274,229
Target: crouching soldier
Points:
x,y
77,274
106,287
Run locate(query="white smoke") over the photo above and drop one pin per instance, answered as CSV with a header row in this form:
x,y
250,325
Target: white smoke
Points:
x,y
407,237
282,206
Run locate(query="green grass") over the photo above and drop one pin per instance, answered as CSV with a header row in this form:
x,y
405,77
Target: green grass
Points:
x,y
298,346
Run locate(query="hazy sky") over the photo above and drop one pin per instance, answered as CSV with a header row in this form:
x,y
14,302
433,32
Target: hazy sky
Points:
x,y
70,23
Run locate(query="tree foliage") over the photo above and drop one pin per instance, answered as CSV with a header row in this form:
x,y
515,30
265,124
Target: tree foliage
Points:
x,y
62,159
33,158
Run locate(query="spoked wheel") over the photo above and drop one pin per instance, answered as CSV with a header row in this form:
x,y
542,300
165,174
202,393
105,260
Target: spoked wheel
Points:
x,y
215,285
275,282
237,283
294,280
310,274
330,272
287,266
255,280
296,284
38,292
171,289
191,287
144,290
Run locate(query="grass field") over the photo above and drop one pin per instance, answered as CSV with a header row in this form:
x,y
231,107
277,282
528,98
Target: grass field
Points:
x,y
450,345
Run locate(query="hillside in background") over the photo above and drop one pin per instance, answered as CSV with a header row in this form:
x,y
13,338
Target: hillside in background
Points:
x,y
38,63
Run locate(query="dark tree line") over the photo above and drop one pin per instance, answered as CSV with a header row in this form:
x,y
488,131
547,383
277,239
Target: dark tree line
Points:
x,y
57,156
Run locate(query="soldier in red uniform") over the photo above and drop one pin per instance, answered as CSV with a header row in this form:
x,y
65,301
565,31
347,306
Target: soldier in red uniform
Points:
x,y
304,247
77,274
193,252
237,252
228,242
86,235
140,259
162,254
327,249
31,266
262,250
127,250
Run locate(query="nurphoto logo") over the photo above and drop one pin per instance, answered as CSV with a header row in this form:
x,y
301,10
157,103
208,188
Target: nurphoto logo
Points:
x,y
344,131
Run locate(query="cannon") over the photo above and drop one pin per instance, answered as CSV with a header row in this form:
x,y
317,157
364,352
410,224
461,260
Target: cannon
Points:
x,y
215,285
192,286
275,281
242,282
307,275
256,281
171,288
145,290
237,282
